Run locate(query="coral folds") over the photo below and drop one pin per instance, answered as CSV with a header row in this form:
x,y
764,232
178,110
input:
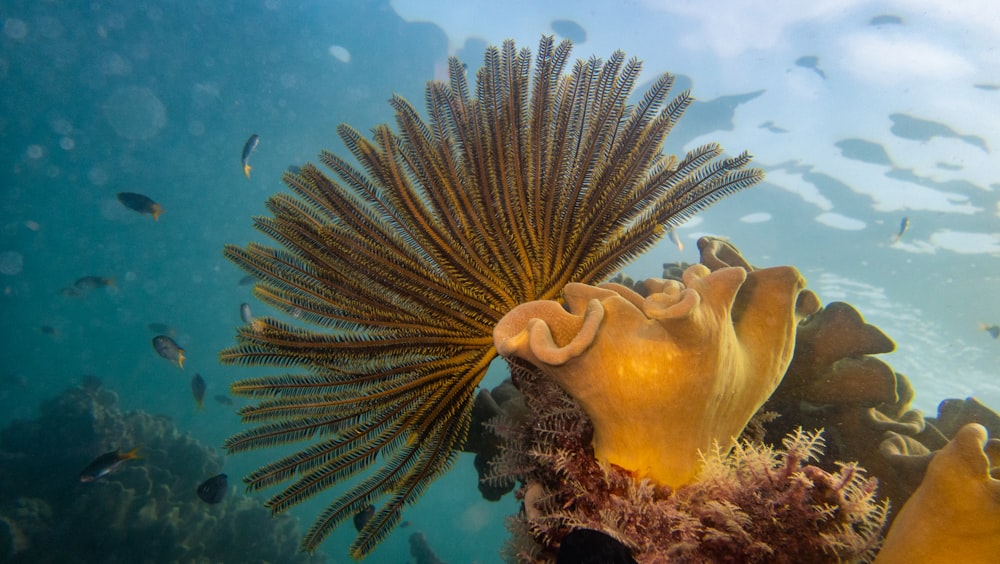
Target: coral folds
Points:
x,y
954,516
666,376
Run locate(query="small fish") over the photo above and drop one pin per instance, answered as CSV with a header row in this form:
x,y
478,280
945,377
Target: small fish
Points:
x,y
106,464
168,349
246,280
245,314
91,282
993,330
675,239
198,389
248,148
904,224
224,399
141,204
362,517
70,292
213,490
48,330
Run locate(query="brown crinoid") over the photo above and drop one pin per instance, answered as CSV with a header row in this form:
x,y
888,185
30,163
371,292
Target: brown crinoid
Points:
x,y
502,196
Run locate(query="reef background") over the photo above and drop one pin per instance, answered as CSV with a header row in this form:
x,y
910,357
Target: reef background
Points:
x,y
117,96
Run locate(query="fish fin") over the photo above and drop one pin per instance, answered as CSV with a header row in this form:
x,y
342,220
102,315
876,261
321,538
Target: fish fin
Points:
x,y
246,170
180,358
132,454
157,210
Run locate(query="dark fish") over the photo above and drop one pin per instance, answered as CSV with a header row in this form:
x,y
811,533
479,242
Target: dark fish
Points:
x,y
248,148
246,280
363,516
48,330
904,224
224,399
198,389
213,490
168,349
91,282
993,330
106,464
140,203
587,546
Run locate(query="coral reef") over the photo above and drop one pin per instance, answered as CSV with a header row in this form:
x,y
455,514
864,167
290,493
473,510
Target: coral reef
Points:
x,y
954,516
833,383
147,511
506,401
752,505
403,260
687,366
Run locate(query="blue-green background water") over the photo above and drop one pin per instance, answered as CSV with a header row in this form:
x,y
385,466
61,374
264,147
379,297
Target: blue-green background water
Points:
x,y
896,116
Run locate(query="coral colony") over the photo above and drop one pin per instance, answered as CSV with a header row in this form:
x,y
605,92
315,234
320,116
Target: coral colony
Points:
x,y
485,229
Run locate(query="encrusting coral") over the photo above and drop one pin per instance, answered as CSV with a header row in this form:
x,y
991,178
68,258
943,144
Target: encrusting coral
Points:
x,y
146,511
754,504
954,516
686,366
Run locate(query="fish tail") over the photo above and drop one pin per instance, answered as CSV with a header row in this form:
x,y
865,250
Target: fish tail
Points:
x,y
246,170
984,327
180,358
157,210
132,454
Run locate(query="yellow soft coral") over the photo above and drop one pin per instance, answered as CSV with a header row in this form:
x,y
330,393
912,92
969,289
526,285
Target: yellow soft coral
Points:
x,y
954,516
666,376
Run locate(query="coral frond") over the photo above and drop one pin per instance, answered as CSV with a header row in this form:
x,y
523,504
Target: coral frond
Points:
x,y
422,239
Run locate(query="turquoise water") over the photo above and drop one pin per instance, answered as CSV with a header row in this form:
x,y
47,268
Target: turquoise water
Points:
x,y
859,122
